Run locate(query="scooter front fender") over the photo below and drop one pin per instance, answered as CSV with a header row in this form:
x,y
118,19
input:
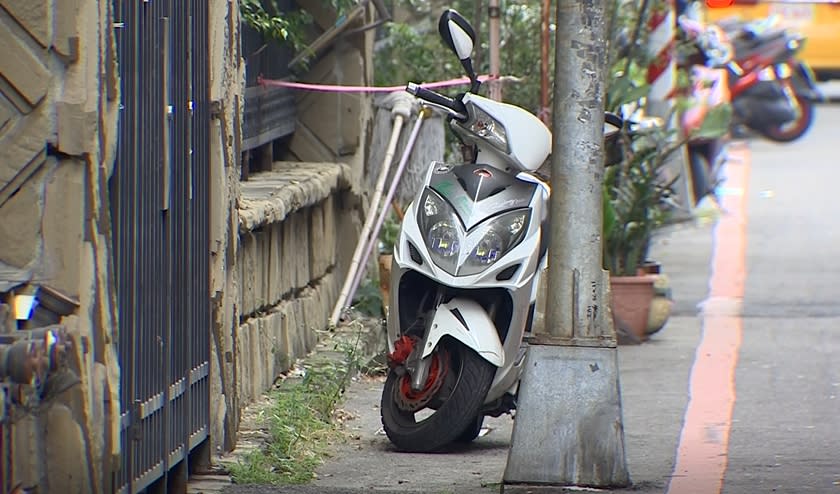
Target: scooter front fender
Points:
x,y
468,322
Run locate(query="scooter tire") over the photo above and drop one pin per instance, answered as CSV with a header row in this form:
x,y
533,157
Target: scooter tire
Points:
x,y
793,130
472,431
472,375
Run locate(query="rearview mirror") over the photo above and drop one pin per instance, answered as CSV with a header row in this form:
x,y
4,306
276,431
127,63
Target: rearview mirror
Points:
x,y
459,36
457,33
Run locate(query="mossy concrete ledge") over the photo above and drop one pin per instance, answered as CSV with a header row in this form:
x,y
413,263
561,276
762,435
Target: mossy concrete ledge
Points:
x,y
270,196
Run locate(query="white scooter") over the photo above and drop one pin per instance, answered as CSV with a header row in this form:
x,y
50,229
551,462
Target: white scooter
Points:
x,y
466,269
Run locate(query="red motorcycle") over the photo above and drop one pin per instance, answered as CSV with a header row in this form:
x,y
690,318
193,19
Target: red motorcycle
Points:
x,y
767,94
765,53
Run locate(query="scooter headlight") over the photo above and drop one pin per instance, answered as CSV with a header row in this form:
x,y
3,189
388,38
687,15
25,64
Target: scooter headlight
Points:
x,y
443,239
441,230
500,236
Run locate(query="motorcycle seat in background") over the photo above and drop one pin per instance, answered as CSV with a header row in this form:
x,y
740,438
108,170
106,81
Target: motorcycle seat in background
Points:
x,y
748,46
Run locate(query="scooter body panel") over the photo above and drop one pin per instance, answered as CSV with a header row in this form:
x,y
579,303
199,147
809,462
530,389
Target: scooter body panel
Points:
x,y
488,310
468,322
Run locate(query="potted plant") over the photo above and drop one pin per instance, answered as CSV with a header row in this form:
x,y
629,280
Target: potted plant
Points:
x,y
635,206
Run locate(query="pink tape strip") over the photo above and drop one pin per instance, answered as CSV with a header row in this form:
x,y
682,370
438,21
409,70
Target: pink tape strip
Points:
x,y
363,89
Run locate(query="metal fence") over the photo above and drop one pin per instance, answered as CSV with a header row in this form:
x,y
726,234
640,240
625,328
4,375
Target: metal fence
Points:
x,y
160,204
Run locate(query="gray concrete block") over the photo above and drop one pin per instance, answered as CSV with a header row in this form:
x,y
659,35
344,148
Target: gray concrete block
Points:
x,y
275,267
20,221
77,128
319,316
329,209
273,322
568,428
260,259
293,330
265,357
332,285
288,255
300,344
283,357
23,68
35,17
317,258
300,223
254,360
241,363
307,302
65,444
310,319
62,228
247,273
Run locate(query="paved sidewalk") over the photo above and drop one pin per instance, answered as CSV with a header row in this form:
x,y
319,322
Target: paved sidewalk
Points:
x,y
777,377
653,381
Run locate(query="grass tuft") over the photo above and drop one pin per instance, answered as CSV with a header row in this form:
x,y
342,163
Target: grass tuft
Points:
x,y
301,421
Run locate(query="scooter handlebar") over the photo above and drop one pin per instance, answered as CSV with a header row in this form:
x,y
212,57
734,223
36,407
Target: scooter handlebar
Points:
x,y
434,97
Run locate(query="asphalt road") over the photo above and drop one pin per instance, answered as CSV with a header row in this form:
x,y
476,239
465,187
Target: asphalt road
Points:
x,y
786,424
784,432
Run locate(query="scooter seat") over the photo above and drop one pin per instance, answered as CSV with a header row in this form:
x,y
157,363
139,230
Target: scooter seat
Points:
x,y
746,47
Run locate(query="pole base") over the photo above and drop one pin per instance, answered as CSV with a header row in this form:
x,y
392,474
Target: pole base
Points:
x,y
568,429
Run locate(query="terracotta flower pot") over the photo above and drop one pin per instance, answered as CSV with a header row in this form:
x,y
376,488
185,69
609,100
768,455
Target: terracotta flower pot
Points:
x,y
631,301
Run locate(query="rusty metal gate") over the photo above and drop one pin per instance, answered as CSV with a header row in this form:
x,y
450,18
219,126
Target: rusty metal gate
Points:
x,y
159,202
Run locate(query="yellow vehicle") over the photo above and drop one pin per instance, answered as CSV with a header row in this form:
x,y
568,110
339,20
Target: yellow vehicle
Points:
x,y
818,21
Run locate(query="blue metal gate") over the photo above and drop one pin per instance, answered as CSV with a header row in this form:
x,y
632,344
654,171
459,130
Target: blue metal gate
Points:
x,y
160,215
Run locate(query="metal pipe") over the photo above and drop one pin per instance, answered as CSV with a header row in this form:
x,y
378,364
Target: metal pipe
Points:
x,y
392,190
401,110
30,360
575,275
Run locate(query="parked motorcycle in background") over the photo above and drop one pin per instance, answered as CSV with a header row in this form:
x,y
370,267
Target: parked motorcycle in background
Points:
x,y
772,93
764,44
466,268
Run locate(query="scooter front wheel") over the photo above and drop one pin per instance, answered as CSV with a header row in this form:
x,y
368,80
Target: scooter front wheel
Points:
x,y
792,131
427,420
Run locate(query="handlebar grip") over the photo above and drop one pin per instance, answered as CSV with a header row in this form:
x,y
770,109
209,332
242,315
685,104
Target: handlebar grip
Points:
x,y
613,119
431,96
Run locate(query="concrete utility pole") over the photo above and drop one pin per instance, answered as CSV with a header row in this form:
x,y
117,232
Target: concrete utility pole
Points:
x,y
569,428
494,12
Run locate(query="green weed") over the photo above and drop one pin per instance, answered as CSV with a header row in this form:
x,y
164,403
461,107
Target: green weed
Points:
x,y
301,421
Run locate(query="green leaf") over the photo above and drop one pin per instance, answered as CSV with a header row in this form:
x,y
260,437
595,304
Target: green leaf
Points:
x,y
636,93
716,122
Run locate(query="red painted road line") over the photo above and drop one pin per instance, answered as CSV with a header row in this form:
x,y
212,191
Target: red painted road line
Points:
x,y
704,440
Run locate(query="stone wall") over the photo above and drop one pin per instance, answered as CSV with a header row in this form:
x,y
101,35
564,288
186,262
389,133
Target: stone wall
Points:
x,y
287,264
59,100
227,80
282,239
58,113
